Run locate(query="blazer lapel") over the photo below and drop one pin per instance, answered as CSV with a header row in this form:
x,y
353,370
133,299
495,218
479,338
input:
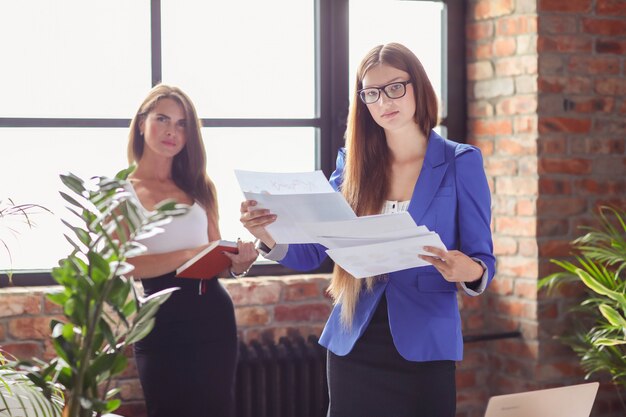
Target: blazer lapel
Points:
x,y
431,175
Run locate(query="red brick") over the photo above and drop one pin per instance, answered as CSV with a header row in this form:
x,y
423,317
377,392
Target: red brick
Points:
x,y
301,312
485,145
480,70
302,291
465,379
553,186
483,108
558,24
594,64
552,145
564,43
491,127
610,46
528,247
601,187
516,186
479,51
515,226
560,207
609,27
516,308
500,166
252,316
249,292
564,84
516,25
571,6
501,286
598,146
520,104
516,146
20,304
518,267
30,327
476,31
558,370
525,124
486,9
611,86
517,65
564,124
552,227
623,107
23,350
575,166
526,206
551,64
611,7
504,46
555,248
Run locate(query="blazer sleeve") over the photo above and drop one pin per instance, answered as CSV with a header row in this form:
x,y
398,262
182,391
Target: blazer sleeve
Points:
x,y
474,207
305,257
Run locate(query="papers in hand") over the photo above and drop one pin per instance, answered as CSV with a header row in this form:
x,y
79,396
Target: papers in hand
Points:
x,y
295,198
309,211
209,262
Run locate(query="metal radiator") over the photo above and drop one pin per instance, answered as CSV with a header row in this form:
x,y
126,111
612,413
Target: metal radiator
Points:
x,y
284,379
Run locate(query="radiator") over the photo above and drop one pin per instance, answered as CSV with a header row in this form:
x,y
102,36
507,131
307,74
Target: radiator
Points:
x,y
284,379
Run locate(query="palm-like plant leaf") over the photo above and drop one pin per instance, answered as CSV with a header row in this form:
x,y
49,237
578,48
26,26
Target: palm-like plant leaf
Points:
x,y
599,265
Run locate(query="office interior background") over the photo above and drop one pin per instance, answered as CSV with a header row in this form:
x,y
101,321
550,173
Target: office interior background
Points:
x,y
538,85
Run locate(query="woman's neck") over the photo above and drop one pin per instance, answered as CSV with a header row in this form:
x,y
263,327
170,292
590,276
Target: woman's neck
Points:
x,y
406,145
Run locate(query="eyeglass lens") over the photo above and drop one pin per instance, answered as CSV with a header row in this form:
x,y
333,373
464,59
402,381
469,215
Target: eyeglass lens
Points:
x,y
393,91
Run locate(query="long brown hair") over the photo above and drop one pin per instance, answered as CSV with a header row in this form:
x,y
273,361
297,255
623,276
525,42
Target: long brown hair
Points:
x,y
189,165
366,173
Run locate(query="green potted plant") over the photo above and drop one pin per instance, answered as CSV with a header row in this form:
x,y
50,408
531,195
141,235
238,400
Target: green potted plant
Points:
x,y
103,314
600,339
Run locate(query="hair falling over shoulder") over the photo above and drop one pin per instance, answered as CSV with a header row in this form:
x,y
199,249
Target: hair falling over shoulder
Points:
x,y
189,166
366,173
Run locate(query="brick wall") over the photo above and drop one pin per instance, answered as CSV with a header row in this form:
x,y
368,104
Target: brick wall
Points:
x,y
547,100
266,309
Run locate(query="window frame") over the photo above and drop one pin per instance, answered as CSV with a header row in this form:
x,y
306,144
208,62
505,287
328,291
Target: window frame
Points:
x,y
331,107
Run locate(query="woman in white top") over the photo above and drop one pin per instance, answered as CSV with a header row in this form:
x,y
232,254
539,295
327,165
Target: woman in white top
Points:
x,y
187,363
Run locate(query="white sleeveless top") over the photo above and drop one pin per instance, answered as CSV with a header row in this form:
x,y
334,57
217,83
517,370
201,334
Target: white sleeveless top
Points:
x,y
182,232
395,206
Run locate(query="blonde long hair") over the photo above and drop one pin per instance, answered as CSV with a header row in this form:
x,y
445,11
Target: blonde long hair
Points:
x,y
189,165
366,173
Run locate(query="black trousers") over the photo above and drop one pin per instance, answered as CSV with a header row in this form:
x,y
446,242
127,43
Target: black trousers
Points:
x,y
187,363
373,380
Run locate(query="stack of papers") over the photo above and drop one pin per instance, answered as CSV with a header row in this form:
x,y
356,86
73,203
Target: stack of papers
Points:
x,y
309,211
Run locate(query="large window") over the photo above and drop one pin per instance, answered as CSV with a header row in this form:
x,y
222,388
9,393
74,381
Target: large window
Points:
x,y
271,82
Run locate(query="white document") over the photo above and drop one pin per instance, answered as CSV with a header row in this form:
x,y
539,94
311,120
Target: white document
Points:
x,y
295,198
364,230
380,258
308,210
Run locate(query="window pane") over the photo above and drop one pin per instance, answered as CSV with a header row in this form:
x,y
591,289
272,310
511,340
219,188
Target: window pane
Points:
x,y
415,24
242,59
253,149
30,163
74,58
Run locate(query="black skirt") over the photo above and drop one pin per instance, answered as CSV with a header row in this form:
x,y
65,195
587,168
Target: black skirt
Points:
x,y
187,363
374,380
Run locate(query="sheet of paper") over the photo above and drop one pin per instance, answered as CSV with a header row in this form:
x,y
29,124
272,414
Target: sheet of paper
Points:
x,y
283,183
380,258
296,209
295,198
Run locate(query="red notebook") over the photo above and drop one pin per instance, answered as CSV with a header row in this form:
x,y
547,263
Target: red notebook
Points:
x,y
208,263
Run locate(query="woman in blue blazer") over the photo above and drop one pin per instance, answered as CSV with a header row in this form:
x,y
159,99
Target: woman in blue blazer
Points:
x,y
393,340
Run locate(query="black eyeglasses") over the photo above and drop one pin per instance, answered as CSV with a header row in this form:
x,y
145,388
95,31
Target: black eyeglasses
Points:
x,y
396,89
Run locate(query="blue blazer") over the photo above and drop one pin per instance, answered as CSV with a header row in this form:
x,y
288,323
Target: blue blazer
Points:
x,y
451,197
